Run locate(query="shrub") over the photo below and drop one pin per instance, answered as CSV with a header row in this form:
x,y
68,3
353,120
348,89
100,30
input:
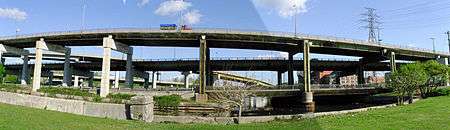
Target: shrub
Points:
x,y
165,103
439,92
10,79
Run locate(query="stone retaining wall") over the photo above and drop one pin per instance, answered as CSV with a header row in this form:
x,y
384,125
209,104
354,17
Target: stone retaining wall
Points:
x,y
113,111
255,119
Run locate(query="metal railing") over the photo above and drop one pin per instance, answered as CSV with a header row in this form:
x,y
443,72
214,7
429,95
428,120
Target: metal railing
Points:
x,y
226,31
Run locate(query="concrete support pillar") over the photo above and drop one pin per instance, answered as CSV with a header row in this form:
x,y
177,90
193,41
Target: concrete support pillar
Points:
x,y
40,46
106,66
154,79
76,81
117,79
308,93
209,72
25,73
91,80
67,78
360,74
2,62
186,79
392,62
129,68
200,94
50,78
291,69
147,82
280,78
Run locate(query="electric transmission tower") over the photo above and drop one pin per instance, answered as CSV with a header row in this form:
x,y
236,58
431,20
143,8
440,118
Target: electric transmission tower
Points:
x,y
373,24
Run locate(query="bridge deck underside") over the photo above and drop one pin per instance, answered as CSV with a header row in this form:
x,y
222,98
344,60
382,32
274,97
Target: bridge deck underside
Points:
x,y
221,65
220,40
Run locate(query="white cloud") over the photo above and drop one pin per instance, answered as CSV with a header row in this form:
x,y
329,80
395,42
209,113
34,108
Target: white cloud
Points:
x,y
171,7
285,8
142,3
13,13
192,17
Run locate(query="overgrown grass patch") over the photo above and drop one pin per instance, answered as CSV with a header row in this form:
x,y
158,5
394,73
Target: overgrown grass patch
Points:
x,y
120,97
12,88
168,102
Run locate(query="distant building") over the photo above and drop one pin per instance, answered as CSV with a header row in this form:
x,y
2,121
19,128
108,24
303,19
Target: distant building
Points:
x,y
376,80
349,80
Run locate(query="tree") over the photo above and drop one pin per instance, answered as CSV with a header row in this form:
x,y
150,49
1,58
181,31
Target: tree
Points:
x,y
406,80
234,95
2,73
438,75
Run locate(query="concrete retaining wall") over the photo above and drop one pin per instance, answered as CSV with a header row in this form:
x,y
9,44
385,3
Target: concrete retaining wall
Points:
x,y
256,119
113,111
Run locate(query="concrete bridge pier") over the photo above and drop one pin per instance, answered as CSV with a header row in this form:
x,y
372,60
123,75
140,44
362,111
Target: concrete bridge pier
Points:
x,y
67,77
186,78
129,68
201,95
20,52
279,78
76,81
291,69
392,62
50,77
116,80
109,44
91,80
154,79
308,93
41,45
360,72
25,73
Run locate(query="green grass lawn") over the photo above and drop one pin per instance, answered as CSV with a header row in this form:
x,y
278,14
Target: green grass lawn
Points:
x,y
432,113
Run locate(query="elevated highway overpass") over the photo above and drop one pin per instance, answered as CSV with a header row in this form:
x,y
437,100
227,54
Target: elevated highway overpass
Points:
x,y
123,39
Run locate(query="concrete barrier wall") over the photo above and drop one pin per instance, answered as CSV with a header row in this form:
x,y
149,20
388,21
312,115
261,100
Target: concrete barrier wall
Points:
x,y
114,111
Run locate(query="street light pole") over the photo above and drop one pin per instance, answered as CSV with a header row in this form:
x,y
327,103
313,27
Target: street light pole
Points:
x,y
434,44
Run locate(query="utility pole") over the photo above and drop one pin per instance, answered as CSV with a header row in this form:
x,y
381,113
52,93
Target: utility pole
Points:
x,y
295,20
434,44
373,24
83,15
448,38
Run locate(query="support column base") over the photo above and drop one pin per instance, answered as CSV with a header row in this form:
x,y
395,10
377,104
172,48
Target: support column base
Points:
x,y
309,104
201,97
309,107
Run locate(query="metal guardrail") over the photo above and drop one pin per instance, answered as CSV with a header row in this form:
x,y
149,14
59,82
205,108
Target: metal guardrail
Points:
x,y
228,31
244,58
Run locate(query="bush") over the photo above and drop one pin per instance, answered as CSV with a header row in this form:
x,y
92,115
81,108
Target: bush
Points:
x,y
11,79
165,103
439,92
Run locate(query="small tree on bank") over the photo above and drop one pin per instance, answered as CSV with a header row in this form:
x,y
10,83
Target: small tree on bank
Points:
x,y
406,80
438,76
234,95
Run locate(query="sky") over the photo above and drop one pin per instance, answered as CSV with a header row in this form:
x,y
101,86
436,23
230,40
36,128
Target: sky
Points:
x,y
403,22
